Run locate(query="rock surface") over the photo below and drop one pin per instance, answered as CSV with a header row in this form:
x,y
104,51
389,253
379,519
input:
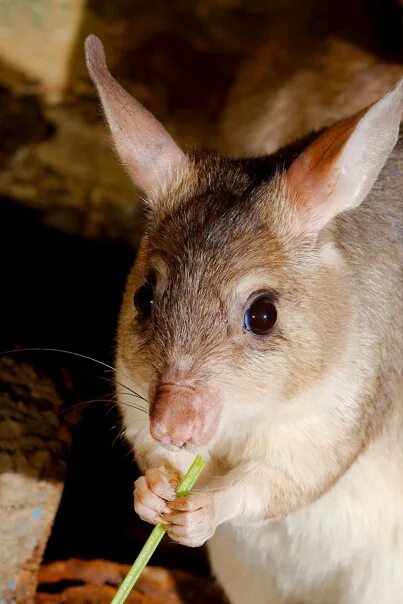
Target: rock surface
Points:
x,y
33,444
94,581
178,58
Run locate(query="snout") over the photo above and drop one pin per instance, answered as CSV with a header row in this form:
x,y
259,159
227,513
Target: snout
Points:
x,y
184,414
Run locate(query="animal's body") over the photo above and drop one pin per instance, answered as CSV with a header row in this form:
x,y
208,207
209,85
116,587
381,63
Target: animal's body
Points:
x,y
285,91
266,332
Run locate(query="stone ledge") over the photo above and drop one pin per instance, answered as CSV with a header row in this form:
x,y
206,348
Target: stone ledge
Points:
x,y
94,581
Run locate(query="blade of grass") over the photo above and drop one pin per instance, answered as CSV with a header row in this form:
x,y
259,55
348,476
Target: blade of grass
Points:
x,y
183,489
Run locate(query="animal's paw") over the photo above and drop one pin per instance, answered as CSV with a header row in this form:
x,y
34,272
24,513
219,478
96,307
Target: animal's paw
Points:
x,y
152,492
191,520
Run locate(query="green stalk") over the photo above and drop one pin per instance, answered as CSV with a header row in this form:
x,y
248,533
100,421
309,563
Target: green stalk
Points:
x,y
183,489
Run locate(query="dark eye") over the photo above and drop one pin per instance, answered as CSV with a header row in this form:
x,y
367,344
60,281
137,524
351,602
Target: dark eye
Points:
x,y
143,300
261,316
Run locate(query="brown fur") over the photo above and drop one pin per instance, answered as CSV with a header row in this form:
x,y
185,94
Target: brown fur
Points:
x,y
195,234
307,415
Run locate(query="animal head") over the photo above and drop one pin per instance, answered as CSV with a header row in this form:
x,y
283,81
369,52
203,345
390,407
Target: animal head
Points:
x,y
239,298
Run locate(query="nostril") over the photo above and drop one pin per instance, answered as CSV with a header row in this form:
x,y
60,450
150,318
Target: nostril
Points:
x,y
161,434
180,442
164,439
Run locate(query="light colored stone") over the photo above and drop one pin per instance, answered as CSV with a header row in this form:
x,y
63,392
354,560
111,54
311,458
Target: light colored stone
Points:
x,y
27,510
31,475
37,38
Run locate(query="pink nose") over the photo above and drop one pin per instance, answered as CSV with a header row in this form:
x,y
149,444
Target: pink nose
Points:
x,y
175,414
178,436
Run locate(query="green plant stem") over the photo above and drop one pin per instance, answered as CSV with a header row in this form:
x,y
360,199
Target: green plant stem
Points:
x,y
183,489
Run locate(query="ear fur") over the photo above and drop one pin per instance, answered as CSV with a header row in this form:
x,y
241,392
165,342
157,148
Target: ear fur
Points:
x,y
336,172
148,152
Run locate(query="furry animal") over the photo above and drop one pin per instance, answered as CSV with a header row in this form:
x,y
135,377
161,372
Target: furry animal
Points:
x,y
262,321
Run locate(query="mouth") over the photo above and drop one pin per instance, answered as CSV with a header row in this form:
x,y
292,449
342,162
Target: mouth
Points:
x,y
189,447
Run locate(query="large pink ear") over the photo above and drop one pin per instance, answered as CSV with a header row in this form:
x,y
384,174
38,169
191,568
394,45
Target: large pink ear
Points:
x,y
336,172
148,152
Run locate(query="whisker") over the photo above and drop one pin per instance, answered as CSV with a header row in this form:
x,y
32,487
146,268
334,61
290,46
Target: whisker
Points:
x,y
132,406
130,390
103,400
75,354
84,403
119,435
109,411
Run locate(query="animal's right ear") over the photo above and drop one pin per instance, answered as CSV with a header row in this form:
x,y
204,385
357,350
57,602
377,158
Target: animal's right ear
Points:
x,y
148,152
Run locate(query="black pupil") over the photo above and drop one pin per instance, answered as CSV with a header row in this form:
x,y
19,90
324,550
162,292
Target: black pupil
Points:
x,y
143,300
260,316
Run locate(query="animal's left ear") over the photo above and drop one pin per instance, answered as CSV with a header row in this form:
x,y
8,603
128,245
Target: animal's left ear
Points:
x,y
337,171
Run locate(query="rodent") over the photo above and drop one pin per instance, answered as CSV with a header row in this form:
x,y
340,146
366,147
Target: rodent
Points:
x,y
262,321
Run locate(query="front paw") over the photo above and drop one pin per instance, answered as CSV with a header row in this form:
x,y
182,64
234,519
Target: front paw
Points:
x,y
191,520
152,492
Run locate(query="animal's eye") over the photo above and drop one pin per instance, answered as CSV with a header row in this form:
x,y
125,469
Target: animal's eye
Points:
x,y
261,316
144,299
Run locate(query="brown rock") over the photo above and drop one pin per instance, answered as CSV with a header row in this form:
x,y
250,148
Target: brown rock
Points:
x,y
46,33
177,58
95,581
